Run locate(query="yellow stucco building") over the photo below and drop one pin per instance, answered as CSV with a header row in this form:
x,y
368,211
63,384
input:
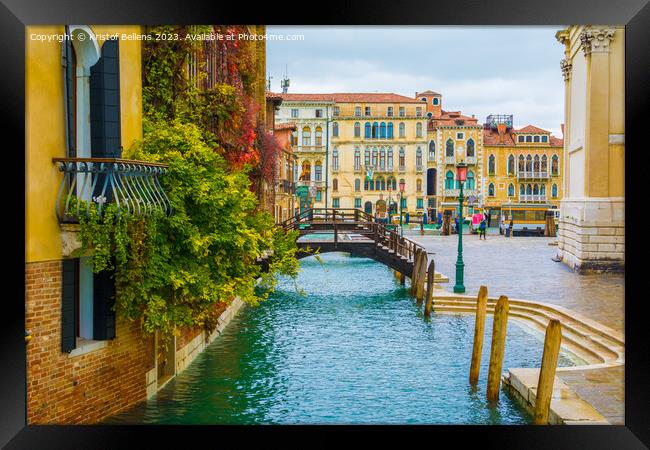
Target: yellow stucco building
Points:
x,y
521,165
592,212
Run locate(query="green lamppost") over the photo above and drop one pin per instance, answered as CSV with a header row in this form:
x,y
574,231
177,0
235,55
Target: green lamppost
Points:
x,y
461,176
402,184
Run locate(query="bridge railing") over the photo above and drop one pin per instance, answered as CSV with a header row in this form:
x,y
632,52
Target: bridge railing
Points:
x,y
366,225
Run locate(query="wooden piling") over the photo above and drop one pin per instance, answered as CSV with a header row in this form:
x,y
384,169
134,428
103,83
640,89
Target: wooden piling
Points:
x,y
402,279
431,272
497,349
479,330
552,342
422,276
414,274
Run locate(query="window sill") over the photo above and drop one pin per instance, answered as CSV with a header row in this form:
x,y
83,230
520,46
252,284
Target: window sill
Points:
x,y
85,346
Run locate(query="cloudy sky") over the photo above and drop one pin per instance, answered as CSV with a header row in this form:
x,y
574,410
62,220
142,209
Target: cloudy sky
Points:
x,y
478,70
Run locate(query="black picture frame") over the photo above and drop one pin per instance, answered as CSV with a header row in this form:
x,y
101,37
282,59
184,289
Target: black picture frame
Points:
x,y
16,14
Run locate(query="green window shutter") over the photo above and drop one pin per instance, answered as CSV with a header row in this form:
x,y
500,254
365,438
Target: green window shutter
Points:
x,y
103,302
69,292
69,78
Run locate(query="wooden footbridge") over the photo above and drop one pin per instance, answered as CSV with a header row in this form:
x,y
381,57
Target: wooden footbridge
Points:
x,y
353,231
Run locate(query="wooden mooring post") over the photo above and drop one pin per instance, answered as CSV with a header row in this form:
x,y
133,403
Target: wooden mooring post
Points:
x,y
479,330
552,342
422,276
497,349
431,273
414,274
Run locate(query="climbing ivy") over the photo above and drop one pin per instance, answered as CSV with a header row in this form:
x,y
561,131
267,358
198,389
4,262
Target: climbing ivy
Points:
x,y
175,271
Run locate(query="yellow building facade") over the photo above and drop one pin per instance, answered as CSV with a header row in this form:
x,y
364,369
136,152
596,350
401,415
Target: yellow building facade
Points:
x,y
521,166
592,212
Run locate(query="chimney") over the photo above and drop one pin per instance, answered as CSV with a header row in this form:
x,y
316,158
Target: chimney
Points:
x,y
562,128
501,128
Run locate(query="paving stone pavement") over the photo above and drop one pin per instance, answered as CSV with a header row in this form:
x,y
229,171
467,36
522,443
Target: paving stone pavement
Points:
x,y
522,267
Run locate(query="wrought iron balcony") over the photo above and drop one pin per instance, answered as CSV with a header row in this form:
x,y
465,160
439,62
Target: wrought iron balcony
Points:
x,y
450,160
533,175
132,185
532,198
470,160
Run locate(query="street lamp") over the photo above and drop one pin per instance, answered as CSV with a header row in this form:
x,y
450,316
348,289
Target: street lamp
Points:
x,y
461,176
402,184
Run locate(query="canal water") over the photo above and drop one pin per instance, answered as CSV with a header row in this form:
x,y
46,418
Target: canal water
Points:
x,y
344,344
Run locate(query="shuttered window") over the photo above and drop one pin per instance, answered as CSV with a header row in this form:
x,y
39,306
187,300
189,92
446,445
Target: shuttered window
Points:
x,y
69,295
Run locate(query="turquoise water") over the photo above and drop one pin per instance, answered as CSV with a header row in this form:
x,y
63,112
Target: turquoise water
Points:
x,y
353,349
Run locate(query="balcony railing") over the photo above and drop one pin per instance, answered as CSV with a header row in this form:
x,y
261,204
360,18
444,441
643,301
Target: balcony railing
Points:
x,y
533,175
379,169
132,185
532,197
456,192
310,148
470,160
450,160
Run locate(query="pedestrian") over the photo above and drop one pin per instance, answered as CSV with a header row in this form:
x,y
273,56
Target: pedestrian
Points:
x,y
481,229
511,225
489,218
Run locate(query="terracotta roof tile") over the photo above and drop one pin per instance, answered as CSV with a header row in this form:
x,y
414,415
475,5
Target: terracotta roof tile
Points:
x,y
370,97
530,129
491,137
427,93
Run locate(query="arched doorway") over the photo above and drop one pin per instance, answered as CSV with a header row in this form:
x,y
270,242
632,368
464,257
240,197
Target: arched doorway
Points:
x,y
431,181
368,207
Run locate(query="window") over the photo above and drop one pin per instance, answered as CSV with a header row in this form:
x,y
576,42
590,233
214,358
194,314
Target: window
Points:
x,y
521,138
511,190
294,138
382,158
511,164
470,148
542,190
469,183
318,137
335,202
380,184
529,139
335,129
403,203
367,110
536,165
554,190
535,138
522,190
423,99
402,111
367,157
402,158
335,184
357,159
357,129
418,112
555,165
375,130
306,136
382,130
336,111
536,189
522,164
390,130
392,182
491,165
402,130
460,136
418,157
357,185
390,158
305,174
418,129
432,150
294,112
429,115
419,203
367,128
449,180
357,202
389,111
491,190
374,157
544,138
529,163
318,171
435,101
450,148
318,195
357,111
335,159
529,190
544,163
418,185
319,113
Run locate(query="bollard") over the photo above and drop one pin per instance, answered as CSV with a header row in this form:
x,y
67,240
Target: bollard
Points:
x,y
422,276
431,272
498,347
552,342
479,327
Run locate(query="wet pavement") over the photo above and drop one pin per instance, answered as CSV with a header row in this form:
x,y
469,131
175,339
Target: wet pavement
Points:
x,y
522,267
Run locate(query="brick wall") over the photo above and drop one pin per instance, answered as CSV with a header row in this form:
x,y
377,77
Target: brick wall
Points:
x,y
85,388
